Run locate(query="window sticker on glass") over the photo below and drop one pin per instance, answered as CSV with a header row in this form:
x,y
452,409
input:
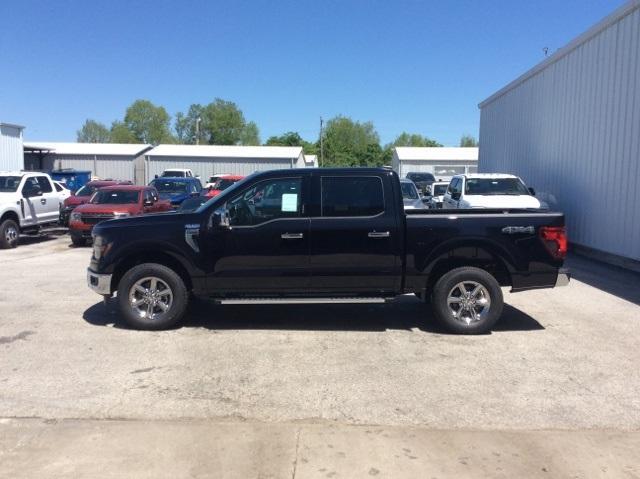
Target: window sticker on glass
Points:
x,y
290,202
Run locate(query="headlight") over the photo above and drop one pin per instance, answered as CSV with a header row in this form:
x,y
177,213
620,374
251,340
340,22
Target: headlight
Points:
x,y
76,217
100,247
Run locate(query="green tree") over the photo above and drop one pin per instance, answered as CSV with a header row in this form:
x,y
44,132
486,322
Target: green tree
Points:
x,y
413,139
222,123
250,135
121,134
351,143
292,138
148,123
468,141
186,125
93,132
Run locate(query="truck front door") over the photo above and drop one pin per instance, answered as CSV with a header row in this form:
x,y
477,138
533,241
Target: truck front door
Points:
x,y
266,246
355,240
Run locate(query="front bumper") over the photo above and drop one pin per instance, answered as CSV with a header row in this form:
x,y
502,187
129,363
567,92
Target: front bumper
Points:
x,y
564,276
100,283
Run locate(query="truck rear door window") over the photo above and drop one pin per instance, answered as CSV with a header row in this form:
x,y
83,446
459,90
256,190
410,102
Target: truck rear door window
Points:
x,y
352,196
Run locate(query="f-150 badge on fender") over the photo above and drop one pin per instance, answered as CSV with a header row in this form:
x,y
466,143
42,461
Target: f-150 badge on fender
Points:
x,y
190,233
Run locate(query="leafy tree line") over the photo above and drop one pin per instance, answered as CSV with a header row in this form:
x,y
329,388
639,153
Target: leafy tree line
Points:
x,y
344,142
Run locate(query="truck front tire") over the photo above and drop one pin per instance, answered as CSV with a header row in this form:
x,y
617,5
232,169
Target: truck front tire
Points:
x,y
152,296
9,234
467,300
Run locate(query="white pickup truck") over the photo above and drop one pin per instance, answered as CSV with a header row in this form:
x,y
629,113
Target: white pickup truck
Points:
x,y
28,201
489,190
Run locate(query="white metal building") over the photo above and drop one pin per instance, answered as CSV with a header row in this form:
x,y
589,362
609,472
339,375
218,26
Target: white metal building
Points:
x,y
104,160
207,160
570,127
11,158
442,162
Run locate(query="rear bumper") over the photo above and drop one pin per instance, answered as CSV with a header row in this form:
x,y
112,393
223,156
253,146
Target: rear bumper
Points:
x,y
564,276
100,283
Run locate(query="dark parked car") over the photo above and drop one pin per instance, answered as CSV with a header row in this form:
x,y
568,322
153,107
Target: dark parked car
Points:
x,y
422,180
325,235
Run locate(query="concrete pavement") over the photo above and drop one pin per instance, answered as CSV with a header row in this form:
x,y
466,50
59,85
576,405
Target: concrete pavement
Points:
x,y
558,374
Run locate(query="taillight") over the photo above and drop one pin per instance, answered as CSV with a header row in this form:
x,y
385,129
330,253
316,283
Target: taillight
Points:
x,y
555,240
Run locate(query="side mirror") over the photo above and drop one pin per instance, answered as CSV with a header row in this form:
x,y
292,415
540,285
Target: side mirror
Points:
x,y
220,219
155,176
148,203
532,191
194,194
456,196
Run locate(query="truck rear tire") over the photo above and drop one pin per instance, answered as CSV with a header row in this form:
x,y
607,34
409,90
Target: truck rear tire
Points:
x,y
152,296
9,234
467,300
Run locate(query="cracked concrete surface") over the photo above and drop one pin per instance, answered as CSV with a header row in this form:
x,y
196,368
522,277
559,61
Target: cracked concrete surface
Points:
x,y
560,362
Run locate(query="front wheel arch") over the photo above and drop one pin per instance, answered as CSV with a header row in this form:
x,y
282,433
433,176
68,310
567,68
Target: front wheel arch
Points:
x,y
158,257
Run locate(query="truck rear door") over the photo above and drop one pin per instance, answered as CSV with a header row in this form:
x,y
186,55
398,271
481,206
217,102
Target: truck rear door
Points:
x,y
355,237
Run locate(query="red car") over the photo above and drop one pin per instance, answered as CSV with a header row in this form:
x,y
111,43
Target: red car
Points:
x,y
221,184
83,195
110,203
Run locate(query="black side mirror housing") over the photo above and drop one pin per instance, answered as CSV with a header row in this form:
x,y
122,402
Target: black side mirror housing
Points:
x,y
456,196
532,191
148,202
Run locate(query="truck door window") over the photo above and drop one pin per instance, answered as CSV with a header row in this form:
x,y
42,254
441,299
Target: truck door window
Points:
x,y
265,201
352,196
45,185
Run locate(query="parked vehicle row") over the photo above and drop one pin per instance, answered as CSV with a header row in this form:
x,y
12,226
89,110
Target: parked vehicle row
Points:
x,y
472,191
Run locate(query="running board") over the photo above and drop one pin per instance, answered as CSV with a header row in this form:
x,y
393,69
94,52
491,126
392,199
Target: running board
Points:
x,y
301,300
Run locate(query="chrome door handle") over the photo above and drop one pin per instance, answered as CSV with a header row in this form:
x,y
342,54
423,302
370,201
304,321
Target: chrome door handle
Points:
x,y
43,201
379,234
292,235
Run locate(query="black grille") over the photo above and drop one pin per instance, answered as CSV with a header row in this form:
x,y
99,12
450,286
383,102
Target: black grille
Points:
x,y
94,219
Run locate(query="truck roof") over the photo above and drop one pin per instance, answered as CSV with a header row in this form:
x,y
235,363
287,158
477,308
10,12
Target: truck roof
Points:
x,y
125,187
487,175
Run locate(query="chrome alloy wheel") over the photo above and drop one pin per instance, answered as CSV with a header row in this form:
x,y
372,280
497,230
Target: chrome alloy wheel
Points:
x,y
469,302
11,234
150,298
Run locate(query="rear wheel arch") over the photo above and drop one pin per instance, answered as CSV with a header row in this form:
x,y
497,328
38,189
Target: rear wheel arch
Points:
x,y
470,255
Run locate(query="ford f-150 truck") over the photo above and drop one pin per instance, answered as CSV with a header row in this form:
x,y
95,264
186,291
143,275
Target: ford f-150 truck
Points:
x,y
28,201
113,202
325,235
83,195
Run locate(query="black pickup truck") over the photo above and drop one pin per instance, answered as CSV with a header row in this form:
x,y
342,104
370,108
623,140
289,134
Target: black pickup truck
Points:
x,y
325,235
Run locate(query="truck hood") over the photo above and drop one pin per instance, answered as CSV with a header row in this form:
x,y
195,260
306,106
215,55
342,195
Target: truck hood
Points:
x,y
502,201
174,198
91,208
76,200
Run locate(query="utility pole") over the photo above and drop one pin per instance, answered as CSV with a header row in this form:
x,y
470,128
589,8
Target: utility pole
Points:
x,y
198,120
321,144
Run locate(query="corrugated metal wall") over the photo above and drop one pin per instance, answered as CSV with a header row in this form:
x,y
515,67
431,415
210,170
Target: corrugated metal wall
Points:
x,y
432,166
11,153
205,167
104,166
572,131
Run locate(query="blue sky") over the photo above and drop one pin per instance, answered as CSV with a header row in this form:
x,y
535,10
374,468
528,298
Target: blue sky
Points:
x,y
416,66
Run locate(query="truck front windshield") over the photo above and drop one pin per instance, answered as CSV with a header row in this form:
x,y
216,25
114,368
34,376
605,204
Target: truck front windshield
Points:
x,y
115,197
409,191
439,190
86,190
170,186
495,186
9,184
